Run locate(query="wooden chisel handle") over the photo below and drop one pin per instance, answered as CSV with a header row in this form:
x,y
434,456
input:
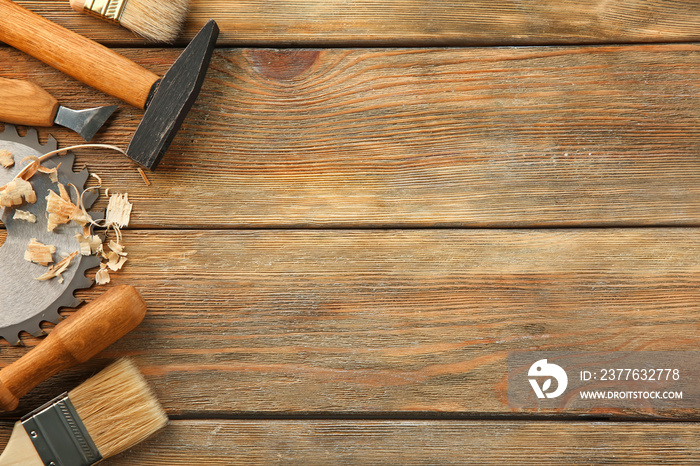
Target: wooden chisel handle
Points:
x,y
25,103
75,55
73,341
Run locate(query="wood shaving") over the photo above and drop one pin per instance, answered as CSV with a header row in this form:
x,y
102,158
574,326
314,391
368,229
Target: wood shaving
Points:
x,y
57,269
89,245
39,253
7,160
61,210
16,192
116,247
102,275
116,263
52,172
118,210
29,171
143,175
24,215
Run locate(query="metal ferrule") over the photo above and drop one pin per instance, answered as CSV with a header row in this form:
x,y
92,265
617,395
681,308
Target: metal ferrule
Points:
x,y
59,436
111,10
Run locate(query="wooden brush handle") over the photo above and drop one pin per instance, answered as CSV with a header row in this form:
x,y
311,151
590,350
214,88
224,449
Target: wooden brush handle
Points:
x,y
74,340
25,103
75,55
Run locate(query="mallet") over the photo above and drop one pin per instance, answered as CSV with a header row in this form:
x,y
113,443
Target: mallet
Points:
x,y
166,101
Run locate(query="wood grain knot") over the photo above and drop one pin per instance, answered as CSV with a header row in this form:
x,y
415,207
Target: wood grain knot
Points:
x,y
282,65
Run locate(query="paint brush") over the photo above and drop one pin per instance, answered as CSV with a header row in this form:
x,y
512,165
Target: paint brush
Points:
x,y
157,20
105,415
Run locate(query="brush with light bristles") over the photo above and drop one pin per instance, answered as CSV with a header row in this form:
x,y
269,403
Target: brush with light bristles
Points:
x,y
157,20
107,414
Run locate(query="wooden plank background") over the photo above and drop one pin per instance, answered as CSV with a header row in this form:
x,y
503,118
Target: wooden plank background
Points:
x,y
417,23
535,136
345,241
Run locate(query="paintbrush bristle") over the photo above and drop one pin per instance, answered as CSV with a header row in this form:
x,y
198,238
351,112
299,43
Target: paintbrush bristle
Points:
x,y
118,408
157,20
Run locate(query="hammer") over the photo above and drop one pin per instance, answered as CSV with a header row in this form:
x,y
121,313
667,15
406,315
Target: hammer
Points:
x,y
166,101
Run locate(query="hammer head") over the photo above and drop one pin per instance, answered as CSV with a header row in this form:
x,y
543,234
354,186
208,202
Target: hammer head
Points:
x,y
173,99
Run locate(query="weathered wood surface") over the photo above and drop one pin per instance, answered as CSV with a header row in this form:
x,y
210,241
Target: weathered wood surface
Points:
x,y
263,317
406,442
540,136
416,22
222,442
390,321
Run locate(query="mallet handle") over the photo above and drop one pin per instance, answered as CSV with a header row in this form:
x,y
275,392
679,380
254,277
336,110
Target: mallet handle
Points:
x,y
75,55
74,340
25,103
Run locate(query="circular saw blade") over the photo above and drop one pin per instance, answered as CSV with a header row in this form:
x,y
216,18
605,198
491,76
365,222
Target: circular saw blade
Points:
x,y
25,301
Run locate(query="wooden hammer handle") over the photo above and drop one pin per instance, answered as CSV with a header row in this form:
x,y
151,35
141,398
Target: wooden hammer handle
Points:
x,y
25,103
75,55
73,341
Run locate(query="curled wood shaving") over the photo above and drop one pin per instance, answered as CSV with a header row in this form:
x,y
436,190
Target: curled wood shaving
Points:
x,y
16,192
61,210
24,215
118,210
116,247
58,268
89,245
116,263
24,174
39,253
102,275
52,172
29,171
116,257
7,160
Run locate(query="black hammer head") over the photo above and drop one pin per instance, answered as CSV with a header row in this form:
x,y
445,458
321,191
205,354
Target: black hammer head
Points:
x,y
173,99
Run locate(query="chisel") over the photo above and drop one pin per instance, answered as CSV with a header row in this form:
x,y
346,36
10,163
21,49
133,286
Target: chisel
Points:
x,y
25,103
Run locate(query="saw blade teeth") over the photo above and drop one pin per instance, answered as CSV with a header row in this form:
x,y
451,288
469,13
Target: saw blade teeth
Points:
x,y
67,300
10,131
51,144
67,162
33,134
78,280
75,302
35,331
81,176
89,199
82,282
11,336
